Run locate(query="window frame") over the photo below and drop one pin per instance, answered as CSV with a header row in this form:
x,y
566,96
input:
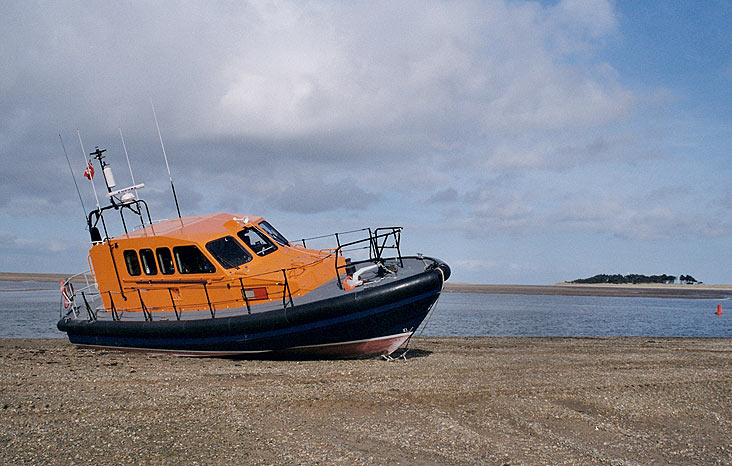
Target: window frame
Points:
x,y
274,233
163,269
185,270
144,262
127,255
272,247
225,263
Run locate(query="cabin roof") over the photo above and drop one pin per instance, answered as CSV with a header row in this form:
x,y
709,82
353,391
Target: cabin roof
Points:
x,y
196,228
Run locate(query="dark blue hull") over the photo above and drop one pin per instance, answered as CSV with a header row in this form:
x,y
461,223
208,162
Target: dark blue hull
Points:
x,y
363,323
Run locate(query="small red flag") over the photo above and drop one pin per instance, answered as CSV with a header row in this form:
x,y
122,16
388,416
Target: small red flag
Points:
x,y
89,172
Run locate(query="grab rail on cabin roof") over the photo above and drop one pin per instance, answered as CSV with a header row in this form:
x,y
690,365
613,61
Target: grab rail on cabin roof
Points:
x,y
94,216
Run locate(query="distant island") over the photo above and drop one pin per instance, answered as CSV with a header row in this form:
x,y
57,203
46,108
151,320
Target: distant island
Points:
x,y
635,278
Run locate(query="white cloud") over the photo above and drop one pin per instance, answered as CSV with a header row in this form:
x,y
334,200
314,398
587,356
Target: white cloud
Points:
x,y
408,78
583,20
416,67
646,220
444,195
500,114
661,214
12,243
322,197
474,265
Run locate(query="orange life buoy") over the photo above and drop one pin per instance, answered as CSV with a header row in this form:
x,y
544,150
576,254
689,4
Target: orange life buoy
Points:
x,y
67,293
347,283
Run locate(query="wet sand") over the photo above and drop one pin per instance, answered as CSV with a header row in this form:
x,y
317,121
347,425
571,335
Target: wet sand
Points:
x,y
451,401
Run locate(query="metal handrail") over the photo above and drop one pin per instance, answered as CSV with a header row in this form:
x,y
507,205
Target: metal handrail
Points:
x,y
376,250
376,242
90,286
336,235
212,305
98,214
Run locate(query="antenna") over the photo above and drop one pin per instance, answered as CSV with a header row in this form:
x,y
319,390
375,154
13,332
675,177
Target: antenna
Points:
x,y
72,176
166,159
88,164
128,161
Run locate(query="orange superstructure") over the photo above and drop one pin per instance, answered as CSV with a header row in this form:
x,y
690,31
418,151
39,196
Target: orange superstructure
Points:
x,y
205,263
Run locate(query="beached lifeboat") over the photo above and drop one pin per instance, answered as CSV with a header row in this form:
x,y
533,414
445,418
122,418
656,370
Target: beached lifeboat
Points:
x,y
227,284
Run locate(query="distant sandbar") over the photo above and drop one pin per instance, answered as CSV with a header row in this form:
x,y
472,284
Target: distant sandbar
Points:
x,y
571,289
561,289
35,277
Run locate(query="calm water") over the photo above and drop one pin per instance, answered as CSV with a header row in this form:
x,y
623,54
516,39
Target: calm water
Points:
x,y
33,314
471,314
29,314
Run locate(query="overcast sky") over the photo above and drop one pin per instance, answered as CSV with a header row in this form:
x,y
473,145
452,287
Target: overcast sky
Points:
x,y
520,141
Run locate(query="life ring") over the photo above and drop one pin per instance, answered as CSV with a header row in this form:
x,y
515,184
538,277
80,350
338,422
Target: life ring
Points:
x,y
67,293
349,283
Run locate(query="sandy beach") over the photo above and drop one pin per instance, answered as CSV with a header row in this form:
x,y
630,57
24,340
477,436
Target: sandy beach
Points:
x,y
451,401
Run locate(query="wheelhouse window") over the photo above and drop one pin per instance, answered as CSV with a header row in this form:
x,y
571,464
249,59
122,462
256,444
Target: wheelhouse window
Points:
x,y
147,257
165,261
272,231
132,262
190,259
228,252
257,241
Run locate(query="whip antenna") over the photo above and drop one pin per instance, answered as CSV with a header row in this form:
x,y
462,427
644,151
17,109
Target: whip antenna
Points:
x,y
172,186
128,163
72,176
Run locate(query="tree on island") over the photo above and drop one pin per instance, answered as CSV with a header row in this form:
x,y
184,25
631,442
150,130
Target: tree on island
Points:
x,y
688,279
632,278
